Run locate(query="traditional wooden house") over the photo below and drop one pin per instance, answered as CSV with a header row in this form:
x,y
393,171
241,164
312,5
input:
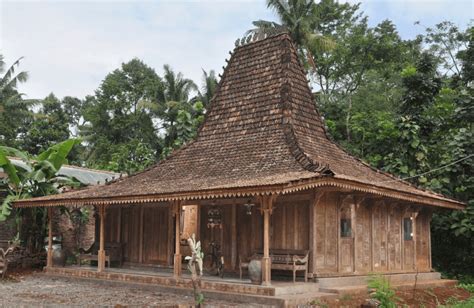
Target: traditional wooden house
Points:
x,y
263,178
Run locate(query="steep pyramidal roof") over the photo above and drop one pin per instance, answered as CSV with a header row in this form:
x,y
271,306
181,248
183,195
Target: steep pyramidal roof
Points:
x,y
263,134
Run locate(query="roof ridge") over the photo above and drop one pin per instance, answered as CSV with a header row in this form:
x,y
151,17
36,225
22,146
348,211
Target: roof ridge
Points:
x,y
253,40
287,123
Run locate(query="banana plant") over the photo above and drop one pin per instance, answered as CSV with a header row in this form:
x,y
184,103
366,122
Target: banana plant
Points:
x,y
37,176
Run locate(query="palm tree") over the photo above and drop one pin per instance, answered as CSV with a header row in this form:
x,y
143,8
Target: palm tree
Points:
x,y
9,82
208,88
172,99
176,87
10,79
298,17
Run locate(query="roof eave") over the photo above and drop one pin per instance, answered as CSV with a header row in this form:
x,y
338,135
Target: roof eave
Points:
x,y
283,188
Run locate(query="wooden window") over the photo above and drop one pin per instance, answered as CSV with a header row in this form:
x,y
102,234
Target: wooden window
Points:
x,y
346,221
346,229
408,229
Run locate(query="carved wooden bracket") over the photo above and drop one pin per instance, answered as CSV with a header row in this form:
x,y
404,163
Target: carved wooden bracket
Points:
x,y
266,203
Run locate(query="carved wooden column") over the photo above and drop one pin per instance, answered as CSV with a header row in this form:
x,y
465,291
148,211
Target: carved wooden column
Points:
x,y
266,206
101,254
430,216
177,252
49,260
313,207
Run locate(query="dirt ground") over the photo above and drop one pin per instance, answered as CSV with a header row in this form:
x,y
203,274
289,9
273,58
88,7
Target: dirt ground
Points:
x,y
33,289
431,297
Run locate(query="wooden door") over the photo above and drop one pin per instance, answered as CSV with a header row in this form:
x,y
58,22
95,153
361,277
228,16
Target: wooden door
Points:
x,y
346,237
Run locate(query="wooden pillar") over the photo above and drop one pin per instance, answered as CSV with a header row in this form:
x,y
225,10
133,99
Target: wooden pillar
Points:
x,y
355,242
430,215
118,237
49,260
177,252
414,238
170,244
313,207
140,237
101,255
233,260
266,204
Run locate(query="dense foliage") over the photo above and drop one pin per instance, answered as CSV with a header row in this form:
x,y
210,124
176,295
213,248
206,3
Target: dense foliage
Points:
x,y
404,106
37,176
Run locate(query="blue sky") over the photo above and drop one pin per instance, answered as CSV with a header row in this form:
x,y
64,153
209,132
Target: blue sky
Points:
x,y
70,46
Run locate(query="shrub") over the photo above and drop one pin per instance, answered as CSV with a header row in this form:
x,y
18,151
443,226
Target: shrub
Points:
x,y
380,290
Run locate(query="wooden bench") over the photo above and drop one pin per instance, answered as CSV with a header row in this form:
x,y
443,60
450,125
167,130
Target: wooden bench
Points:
x,y
113,253
282,259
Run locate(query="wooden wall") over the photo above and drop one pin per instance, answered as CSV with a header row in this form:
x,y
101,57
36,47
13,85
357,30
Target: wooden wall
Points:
x,y
299,222
242,234
377,243
143,231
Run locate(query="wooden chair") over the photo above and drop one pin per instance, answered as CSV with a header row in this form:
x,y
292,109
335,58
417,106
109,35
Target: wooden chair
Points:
x,y
282,259
291,260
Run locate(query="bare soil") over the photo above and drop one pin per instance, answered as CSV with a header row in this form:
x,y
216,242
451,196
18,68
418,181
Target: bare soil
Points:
x,y
430,297
29,288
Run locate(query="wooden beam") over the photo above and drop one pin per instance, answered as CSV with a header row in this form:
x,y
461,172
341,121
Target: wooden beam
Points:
x,y
49,260
243,200
177,253
101,255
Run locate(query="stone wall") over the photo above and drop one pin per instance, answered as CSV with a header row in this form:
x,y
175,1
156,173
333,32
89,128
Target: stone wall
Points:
x,y
63,226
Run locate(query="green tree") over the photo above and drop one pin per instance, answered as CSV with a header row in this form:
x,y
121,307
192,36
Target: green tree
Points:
x,y
187,123
208,88
50,125
171,101
298,17
365,61
14,111
121,113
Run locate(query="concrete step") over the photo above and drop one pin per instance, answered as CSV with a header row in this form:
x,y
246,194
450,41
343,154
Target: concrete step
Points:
x,y
395,278
290,288
400,286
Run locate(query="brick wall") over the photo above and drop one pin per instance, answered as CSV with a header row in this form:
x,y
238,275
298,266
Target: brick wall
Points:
x,y
7,231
